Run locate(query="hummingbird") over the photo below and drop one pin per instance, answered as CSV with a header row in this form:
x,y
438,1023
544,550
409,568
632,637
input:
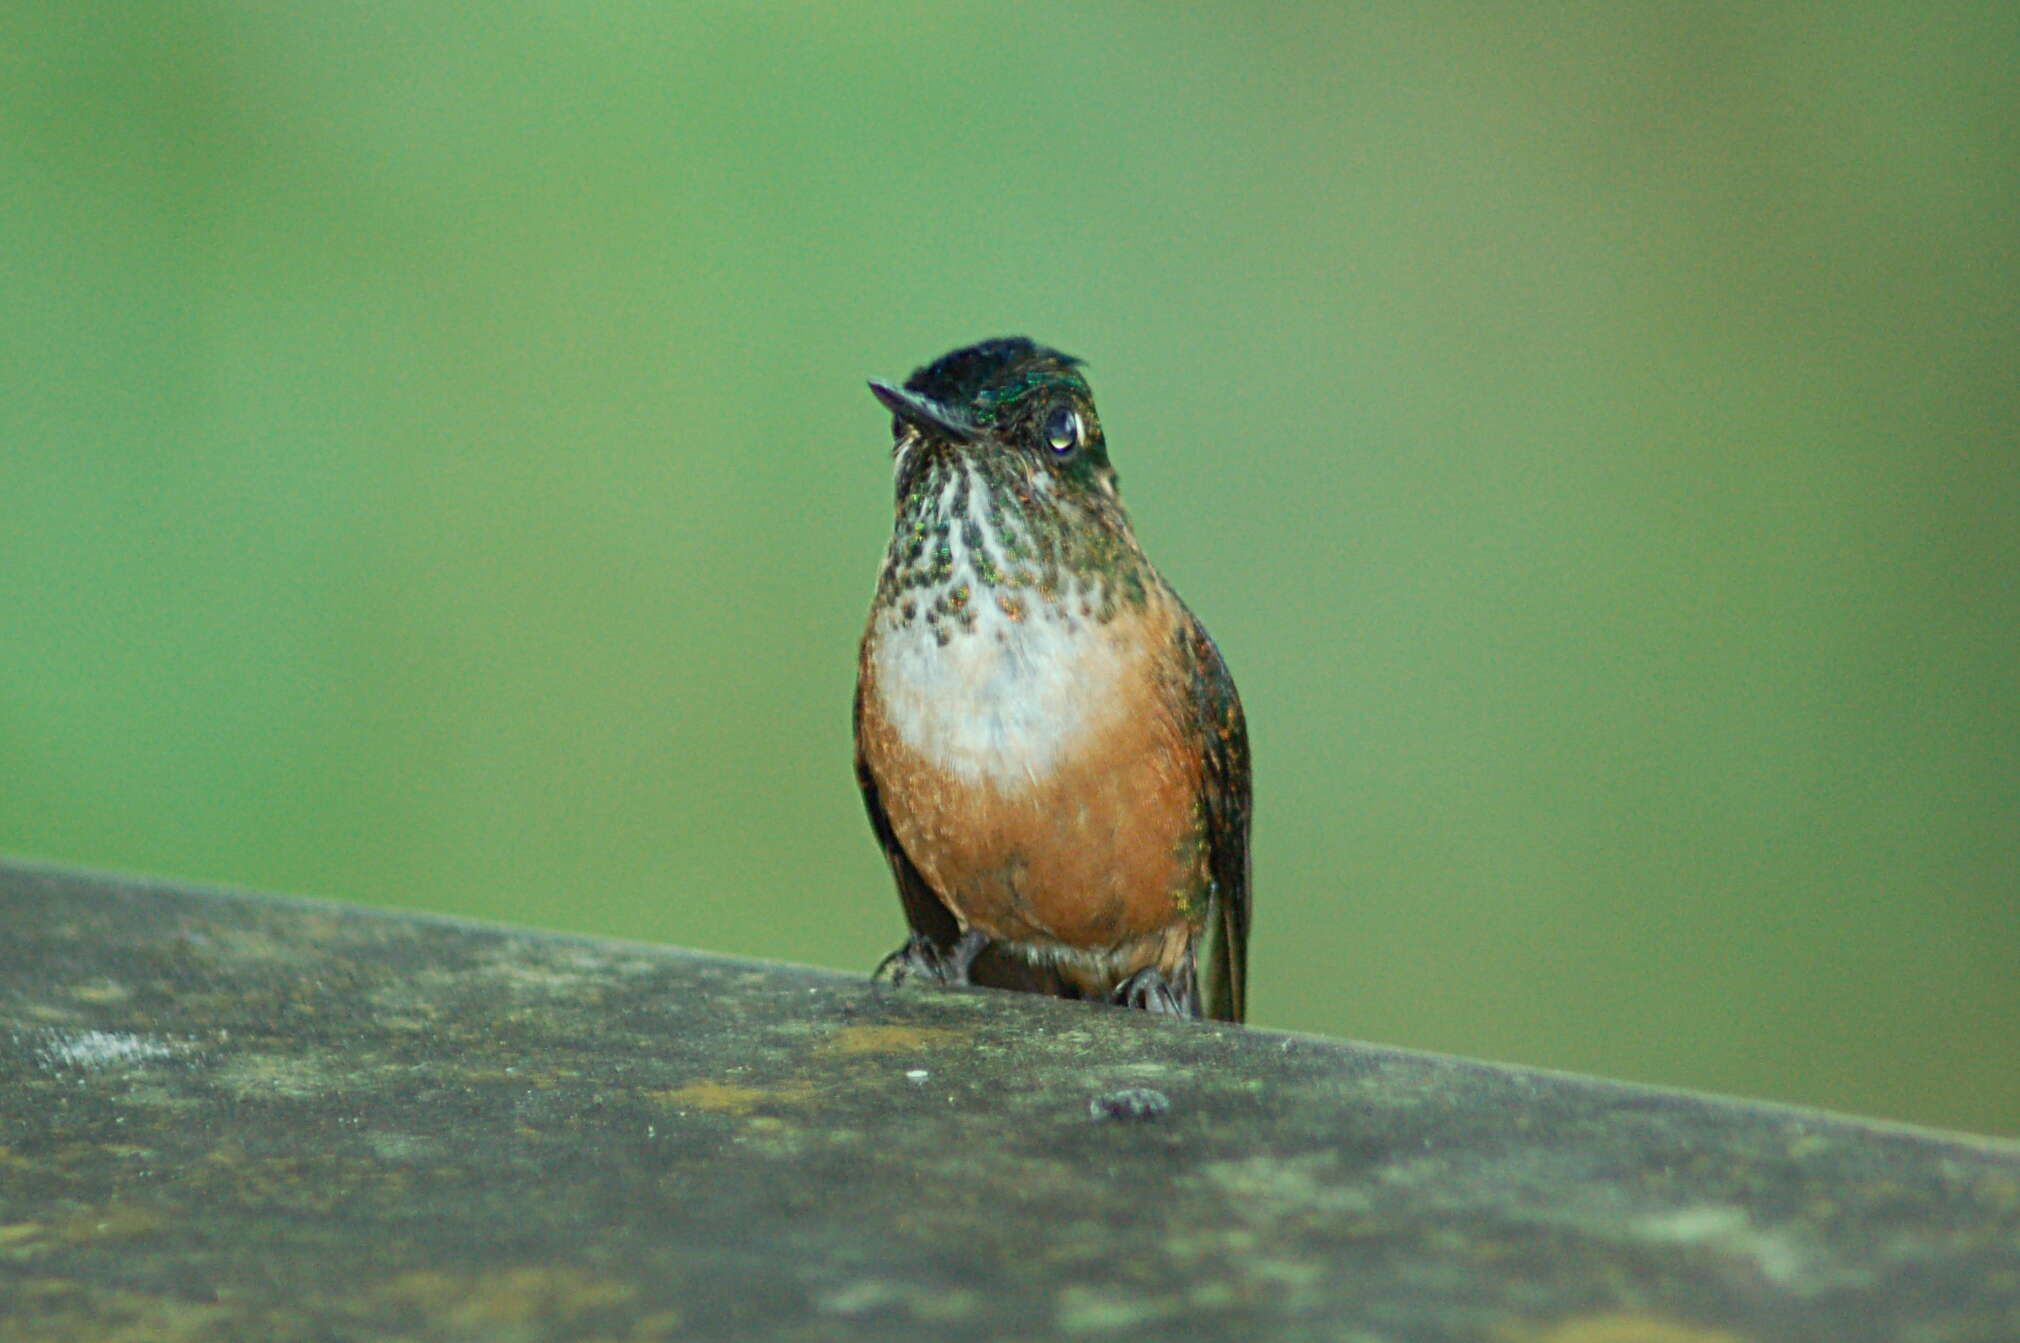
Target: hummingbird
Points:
x,y
1049,745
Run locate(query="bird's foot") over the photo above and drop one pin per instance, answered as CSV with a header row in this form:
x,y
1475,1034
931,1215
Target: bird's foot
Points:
x,y
1149,991
930,961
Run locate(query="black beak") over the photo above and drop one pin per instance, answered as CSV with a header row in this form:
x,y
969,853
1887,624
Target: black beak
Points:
x,y
927,416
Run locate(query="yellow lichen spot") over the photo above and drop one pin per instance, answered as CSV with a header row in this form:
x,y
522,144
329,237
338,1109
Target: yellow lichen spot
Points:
x,y
15,1232
477,1304
1618,1327
728,1098
888,1039
115,1221
66,1308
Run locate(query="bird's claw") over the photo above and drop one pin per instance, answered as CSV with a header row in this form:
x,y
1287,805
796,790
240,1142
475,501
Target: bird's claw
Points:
x,y
1149,991
929,961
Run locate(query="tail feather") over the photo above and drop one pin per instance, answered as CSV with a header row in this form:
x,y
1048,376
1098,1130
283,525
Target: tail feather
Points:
x,y
1226,997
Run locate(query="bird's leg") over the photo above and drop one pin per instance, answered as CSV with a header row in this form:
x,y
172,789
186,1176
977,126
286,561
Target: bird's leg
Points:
x,y
1150,991
917,957
922,957
961,957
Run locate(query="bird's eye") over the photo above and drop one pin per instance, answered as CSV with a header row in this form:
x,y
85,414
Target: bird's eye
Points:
x,y
1063,430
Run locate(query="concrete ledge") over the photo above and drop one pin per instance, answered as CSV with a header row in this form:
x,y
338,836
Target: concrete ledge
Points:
x,y
231,1116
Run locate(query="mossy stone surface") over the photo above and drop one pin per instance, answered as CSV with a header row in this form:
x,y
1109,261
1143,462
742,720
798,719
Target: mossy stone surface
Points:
x,y
228,1116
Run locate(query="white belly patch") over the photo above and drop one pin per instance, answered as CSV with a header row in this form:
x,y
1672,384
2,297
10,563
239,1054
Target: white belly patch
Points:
x,y
1002,701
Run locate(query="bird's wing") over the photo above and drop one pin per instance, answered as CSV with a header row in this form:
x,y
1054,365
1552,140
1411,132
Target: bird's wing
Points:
x,y
1224,807
927,914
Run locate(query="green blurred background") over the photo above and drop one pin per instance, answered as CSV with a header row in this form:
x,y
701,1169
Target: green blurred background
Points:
x,y
437,472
